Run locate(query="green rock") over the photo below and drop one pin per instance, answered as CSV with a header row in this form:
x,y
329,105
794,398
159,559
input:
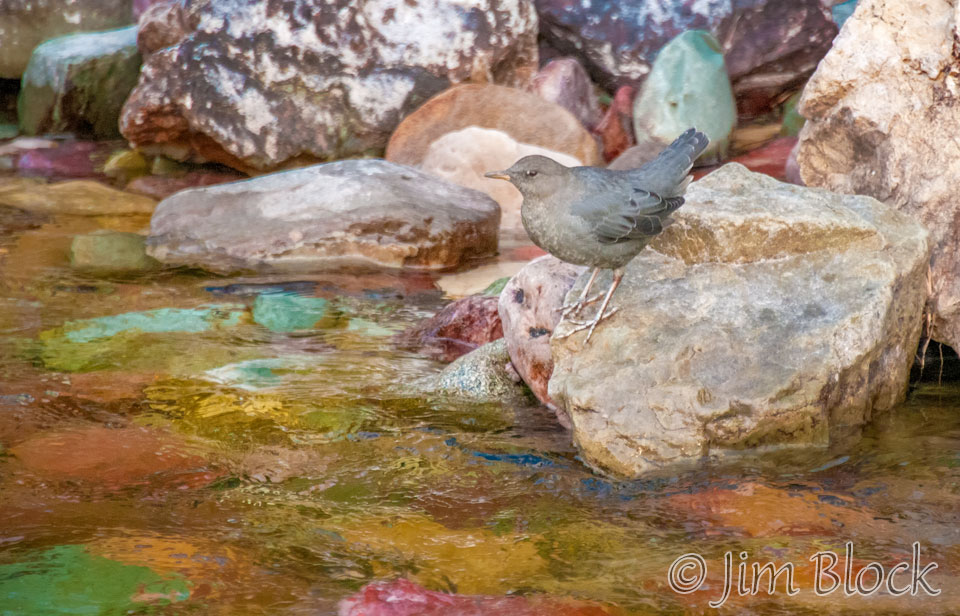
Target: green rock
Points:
x,y
366,327
111,251
165,339
126,165
687,86
167,167
67,579
481,375
289,312
78,83
9,131
792,120
496,287
259,374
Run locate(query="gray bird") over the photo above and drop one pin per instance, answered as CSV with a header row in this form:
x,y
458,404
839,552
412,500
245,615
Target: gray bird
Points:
x,y
600,217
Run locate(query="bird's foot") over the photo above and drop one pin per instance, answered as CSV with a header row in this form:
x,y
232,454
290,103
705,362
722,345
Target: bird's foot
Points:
x,y
578,306
587,325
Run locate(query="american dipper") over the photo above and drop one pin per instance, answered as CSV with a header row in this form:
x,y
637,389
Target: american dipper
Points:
x,y
599,217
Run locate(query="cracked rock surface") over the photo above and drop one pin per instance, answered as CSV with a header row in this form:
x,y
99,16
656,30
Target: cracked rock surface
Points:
x,y
369,211
768,314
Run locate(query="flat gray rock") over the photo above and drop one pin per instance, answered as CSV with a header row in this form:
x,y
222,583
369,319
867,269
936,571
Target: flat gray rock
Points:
x,y
354,210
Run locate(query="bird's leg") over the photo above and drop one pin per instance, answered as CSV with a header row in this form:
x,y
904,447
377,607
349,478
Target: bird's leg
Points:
x,y
583,302
601,314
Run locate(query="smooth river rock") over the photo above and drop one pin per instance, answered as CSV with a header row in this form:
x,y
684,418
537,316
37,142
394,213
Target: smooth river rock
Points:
x,y
524,116
78,84
24,24
354,210
882,119
769,314
256,85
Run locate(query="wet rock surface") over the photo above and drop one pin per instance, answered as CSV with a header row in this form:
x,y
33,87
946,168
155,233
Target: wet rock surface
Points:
x,y
864,136
524,116
482,375
530,311
769,314
358,210
460,327
255,85
24,24
78,83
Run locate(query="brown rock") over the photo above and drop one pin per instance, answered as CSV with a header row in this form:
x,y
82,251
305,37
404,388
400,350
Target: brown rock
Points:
x,y
530,310
524,116
459,328
160,187
162,24
616,127
565,82
882,121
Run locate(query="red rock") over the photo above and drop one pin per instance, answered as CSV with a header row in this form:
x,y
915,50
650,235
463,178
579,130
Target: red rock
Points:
x,y
616,127
162,24
111,457
530,309
404,598
565,82
524,116
161,187
770,159
458,329
70,159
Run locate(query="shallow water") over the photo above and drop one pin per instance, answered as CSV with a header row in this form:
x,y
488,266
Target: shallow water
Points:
x,y
228,467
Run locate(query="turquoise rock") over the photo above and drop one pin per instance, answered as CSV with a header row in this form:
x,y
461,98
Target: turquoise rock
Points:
x,y
289,312
687,86
161,320
9,131
111,252
841,12
260,374
792,120
368,328
496,287
78,83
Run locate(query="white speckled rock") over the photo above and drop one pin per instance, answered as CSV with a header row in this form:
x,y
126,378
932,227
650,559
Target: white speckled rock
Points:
x,y
772,314
24,24
463,157
366,210
882,120
258,84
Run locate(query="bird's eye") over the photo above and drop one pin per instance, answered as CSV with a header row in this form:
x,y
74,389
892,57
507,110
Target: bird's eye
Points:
x,y
532,173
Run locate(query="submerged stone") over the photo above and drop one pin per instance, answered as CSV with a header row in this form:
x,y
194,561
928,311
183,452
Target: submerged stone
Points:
x,y
78,83
482,375
76,198
289,312
687,86
111,252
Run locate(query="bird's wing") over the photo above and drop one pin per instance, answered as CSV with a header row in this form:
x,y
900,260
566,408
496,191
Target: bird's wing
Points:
x,y
667,173
620,215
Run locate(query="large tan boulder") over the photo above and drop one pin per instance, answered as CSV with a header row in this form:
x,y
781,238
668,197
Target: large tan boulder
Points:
x,y
768,315
882,121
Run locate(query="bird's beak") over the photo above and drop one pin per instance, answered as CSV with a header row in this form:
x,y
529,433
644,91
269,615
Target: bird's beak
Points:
x,y
497,175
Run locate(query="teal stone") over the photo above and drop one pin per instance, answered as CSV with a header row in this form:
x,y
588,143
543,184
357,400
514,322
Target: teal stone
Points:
x,y
687,86
161,320
78,83
496,287
289,312
792,120
842,12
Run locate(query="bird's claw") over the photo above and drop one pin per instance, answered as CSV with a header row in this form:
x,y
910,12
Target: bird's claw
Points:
x,y
577,306
582,325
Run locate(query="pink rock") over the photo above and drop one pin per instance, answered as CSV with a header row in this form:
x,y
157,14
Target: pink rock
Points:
x,y
791,171
161,187
405,598
529,310
565,82
69,159
458,329
770,159
616,127
140,6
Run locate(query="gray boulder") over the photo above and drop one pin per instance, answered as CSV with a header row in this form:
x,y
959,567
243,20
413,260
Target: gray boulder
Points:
x,y
354,210
769,314
482,376
24,24
256,85
78,84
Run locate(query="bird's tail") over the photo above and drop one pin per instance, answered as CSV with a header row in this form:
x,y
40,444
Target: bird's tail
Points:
x,y
667,174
